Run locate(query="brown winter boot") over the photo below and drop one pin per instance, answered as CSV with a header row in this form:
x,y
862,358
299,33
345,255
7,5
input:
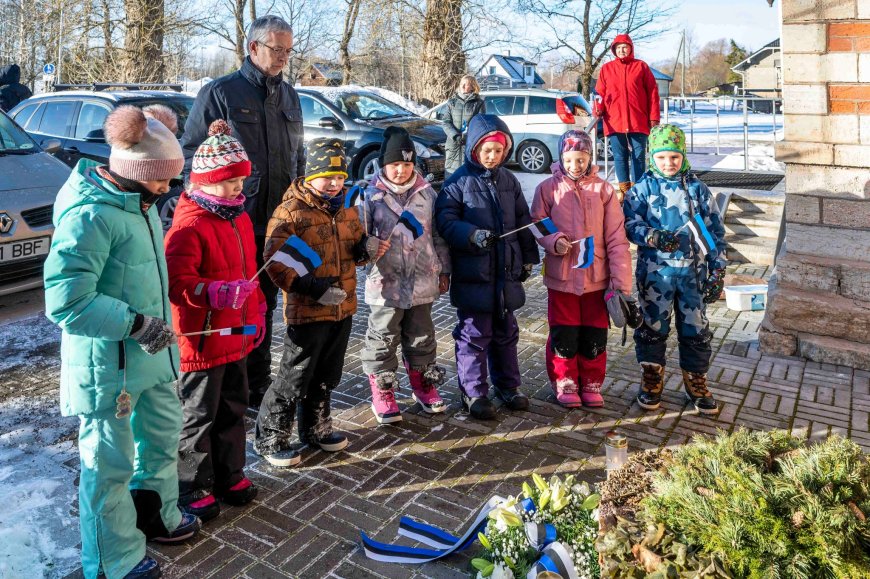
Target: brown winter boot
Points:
x,y
651,386
624,186
697,392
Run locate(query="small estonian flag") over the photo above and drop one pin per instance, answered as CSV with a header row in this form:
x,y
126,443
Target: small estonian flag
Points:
x,y
587,253
543,228
296,254
409,226
250,330
701,235
353,196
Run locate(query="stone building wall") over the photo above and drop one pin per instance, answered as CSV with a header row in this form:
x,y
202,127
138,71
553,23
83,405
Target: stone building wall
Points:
x,y
819,299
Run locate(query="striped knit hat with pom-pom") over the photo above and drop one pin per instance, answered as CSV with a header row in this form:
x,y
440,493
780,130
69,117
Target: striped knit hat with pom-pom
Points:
x,y
220,157
144,147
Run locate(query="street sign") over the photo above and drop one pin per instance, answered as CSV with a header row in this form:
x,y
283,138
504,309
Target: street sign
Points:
x,y
48,69
47,79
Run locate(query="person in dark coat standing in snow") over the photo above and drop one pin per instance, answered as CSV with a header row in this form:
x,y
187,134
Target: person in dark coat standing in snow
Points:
x,y
629,106
264,113
460,109
12,91
477,205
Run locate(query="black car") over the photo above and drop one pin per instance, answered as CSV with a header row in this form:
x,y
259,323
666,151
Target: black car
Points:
x,y
359,118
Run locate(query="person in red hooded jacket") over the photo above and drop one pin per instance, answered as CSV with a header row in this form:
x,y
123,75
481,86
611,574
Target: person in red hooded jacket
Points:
x,y
210,256
629,107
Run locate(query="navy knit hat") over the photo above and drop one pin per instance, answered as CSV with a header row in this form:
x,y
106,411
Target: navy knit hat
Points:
x,y
397,146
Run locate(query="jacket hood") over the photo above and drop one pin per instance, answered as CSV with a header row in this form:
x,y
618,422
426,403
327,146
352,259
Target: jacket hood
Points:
x,y
10,74
623,39
85,187
479,127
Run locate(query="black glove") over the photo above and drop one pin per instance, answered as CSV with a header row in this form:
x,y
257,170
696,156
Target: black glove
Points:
x,y
361,250
714,286
526,273
313,287
665,241
153,335
483,239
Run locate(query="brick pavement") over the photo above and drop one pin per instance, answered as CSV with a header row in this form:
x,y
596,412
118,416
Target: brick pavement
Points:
x,y
439,469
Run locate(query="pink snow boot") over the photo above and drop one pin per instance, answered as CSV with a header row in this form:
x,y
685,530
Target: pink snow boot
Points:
x,y
565,390
423,385
383,400
590,393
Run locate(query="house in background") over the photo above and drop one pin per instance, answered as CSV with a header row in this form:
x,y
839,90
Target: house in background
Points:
x,y
506,71
663,81
762,71
321,74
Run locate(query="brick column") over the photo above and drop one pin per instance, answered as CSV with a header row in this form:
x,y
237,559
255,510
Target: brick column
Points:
x,y
819,299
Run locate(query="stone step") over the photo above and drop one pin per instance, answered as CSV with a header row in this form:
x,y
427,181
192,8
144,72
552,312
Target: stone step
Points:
x,y
750,249
753,201
752,224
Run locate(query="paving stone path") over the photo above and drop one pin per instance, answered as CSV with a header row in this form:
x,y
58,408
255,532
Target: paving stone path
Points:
x,y
440,469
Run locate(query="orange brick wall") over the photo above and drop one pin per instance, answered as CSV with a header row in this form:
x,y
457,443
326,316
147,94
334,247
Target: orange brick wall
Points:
x,y
849,98
849,37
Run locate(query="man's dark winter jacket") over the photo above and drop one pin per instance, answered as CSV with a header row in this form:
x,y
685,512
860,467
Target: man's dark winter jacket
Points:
x,y
456,116
265,116
485,280
12,91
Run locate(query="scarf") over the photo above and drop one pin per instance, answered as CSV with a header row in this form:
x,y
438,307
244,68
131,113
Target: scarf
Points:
x,y
228,209
398,190
146,197
334,203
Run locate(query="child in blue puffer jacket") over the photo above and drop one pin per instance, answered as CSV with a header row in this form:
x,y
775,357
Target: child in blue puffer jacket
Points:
x,y
478,203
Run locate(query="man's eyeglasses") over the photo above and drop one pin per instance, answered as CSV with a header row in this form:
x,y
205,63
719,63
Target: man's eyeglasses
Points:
x,y
277,51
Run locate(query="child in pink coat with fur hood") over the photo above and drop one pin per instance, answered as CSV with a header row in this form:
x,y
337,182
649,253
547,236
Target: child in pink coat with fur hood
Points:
x,y
586,256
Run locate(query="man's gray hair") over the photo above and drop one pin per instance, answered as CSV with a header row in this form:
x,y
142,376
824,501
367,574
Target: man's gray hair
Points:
x,y
260,28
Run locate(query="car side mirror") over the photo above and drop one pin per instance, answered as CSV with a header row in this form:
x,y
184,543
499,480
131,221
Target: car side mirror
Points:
x,y
51,146
330,123
97,135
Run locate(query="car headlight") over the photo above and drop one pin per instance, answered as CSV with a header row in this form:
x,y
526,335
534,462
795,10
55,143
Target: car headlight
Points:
x,y
423,151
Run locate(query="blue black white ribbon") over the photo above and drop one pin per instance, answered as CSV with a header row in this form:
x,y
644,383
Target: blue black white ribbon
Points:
x,y
556,559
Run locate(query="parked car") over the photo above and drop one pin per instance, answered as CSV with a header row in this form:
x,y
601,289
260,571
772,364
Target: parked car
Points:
x,y
536,118
359,118
31,180
75,118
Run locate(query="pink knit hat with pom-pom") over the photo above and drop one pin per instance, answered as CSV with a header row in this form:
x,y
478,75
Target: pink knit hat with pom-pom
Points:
x,y
144,147
220,157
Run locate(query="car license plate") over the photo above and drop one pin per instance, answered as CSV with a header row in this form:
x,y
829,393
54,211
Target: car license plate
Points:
x,y
15,250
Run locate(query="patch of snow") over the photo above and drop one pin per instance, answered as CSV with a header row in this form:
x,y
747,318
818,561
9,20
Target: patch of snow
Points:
x,y
30,343
761,158
395,97
334,92
437,427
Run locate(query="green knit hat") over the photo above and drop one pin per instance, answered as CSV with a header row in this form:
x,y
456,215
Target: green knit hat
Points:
x,y
667,138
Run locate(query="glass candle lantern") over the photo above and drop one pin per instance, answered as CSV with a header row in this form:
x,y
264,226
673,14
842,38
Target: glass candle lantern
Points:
x,y
616,451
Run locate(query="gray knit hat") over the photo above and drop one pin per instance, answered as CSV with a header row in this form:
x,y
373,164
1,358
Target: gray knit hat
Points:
x,y
144,147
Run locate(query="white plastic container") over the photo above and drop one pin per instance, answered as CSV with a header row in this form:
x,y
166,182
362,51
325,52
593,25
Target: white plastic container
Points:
x,y
746,297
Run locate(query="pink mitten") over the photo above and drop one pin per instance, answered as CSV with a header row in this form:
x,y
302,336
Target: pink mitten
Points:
x,y
233,293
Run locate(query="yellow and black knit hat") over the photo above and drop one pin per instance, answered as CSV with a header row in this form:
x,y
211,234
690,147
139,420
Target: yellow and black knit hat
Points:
x,y
325,158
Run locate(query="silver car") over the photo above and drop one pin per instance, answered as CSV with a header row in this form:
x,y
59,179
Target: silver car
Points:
x,y
29,181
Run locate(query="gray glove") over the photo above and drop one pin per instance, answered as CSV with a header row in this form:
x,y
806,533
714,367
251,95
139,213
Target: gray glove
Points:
x,y
483,239
154,335
372,245
332,297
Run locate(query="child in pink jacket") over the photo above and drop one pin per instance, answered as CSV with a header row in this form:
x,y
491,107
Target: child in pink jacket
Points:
x,y
588,254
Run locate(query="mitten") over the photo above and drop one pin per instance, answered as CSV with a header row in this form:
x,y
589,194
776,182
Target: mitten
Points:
x,y
714,286
313,287
332,296
527,272
154,334
261,328
483,239
233,293
665,241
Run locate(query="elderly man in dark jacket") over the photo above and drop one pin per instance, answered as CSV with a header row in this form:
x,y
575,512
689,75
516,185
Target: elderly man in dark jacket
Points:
x,y
264,113
12,91
474,208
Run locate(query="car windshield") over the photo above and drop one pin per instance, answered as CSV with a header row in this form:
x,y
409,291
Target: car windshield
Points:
x,y
13,139
363,105
180,105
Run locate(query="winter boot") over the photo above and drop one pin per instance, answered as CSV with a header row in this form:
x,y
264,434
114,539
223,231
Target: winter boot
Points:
x,y
202,504
590,394
315,423
651,387
698,394
241,493
147,568
423,385
187,528
481,407
565,390
512,398
383,400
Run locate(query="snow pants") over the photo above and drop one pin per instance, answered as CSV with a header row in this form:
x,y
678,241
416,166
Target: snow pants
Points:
x,y
662,293
481,339
310,369
577,344
211,451
128,488
390,326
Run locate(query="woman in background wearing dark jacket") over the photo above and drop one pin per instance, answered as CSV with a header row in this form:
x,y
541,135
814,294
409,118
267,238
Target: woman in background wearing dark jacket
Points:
x,y
460,109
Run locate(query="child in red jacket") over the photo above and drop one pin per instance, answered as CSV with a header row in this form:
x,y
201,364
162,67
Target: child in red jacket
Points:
x,y
211,255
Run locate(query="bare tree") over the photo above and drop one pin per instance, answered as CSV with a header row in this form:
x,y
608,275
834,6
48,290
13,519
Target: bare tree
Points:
x,y
350,18
443,56
585,28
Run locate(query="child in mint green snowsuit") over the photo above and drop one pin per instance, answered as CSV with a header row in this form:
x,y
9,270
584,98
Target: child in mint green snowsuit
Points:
x,y
106,287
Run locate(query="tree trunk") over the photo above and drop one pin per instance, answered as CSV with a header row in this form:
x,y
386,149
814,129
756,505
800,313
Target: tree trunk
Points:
x,y
143,42
343,51
443,62
239,16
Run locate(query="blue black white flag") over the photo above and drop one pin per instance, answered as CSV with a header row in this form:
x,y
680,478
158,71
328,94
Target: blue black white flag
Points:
x,y
701,235
409,226
587,252
543,228
249,330
296,254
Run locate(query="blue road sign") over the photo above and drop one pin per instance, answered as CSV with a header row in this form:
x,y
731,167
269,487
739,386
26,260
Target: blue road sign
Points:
x,y
48,69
